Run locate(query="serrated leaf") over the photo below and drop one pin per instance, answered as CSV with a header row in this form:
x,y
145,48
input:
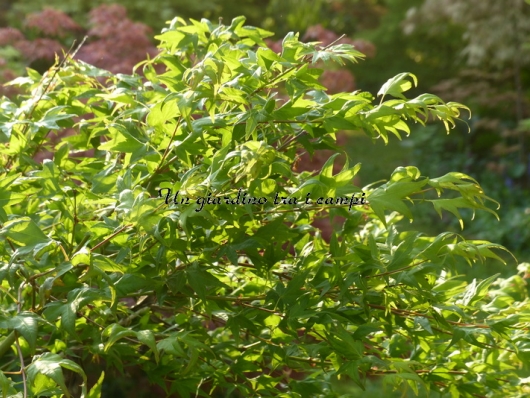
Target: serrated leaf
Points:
x,y
26,324
50,365
148,338
24,232
114,333
52,116
76,300
476,291
397,85
121,141
390,197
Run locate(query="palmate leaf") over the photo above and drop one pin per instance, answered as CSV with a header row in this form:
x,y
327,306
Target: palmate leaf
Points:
x,y
122,141
52,116
147,337
398,85
402,184
8,197
474,250
466,186
27,234
391,197
50,365
114,333
26,324
77,299
476,291
452,205
337,53
24,231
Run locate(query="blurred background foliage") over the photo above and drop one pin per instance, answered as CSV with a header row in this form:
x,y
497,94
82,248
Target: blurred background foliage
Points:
x,y
472,51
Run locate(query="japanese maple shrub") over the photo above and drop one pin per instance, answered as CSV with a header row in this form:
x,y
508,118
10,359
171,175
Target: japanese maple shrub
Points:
x,y
169,248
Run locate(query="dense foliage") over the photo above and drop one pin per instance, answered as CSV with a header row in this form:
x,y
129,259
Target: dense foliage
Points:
x,y
472,51
101,261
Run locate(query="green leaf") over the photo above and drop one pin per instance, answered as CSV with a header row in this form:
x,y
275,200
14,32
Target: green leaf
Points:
x,y
7,197
424,323
476,291
77,299
120,95
397,85
148,338
6,386
114,333
337,53
26,233
52,116
390,197
121,141
50,365
95,391
26,324
163,112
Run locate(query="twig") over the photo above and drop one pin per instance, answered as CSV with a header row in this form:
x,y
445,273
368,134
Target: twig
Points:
x,y
19,298
224,298
111,236
55,72
11,244
398,311
22,366
290,140
263,309
71,52
64,253
333,42
161,165
396,271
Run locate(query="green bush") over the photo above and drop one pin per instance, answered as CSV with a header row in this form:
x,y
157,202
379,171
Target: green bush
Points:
x,y
211,293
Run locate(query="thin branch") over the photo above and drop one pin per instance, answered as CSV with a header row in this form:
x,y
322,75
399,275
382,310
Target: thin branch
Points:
x,y
333,42
111,236
71,52
55,72
161,165
224,298
263,309
22,367
398,311
288,70
397,270
290,140
420,371
64,253
19,299
308,208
